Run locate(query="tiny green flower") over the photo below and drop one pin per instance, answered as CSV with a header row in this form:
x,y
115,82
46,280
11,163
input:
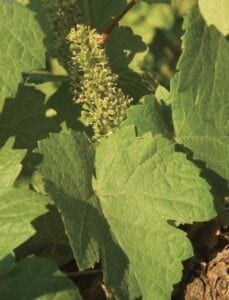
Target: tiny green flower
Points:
x,y
94,84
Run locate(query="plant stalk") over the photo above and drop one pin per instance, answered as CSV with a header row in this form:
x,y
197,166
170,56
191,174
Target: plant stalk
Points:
x,y
105,35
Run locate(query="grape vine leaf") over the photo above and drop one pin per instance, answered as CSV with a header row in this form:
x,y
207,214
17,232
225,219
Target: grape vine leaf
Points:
x,y
149,116
37,278
25,118
216,13
67,168
49,240
144,186
199,94
10,163
21,47
18,207
117,273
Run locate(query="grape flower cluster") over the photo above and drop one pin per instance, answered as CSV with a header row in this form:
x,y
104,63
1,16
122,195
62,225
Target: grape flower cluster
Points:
x,y
94,84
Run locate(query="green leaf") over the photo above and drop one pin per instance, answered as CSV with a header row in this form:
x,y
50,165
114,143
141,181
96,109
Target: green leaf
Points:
x,y
18,207
21,47
37,278
10,164
162,93
68,168
7,263
117,273
149,116
199,94
216,13
144,186
25,117
49,241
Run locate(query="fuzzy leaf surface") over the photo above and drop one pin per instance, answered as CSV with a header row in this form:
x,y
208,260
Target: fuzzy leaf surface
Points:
x,y
199,94
18,207
216,13
21,47
143,186
10,164
68,168
37,278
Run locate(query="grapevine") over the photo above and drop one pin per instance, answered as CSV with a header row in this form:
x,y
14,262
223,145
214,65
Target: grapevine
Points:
x,y
114,149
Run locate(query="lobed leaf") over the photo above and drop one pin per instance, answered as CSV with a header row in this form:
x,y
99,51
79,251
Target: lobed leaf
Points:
x,y
199,95
68,168
144,186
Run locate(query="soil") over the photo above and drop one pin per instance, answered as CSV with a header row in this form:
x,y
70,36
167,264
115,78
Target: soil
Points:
x,y
206,276
213,280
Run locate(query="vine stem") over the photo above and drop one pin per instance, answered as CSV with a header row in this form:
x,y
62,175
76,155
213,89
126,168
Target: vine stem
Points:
x,y
105,35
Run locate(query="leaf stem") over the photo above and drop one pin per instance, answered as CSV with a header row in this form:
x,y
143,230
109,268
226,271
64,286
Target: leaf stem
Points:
x,y
105,35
